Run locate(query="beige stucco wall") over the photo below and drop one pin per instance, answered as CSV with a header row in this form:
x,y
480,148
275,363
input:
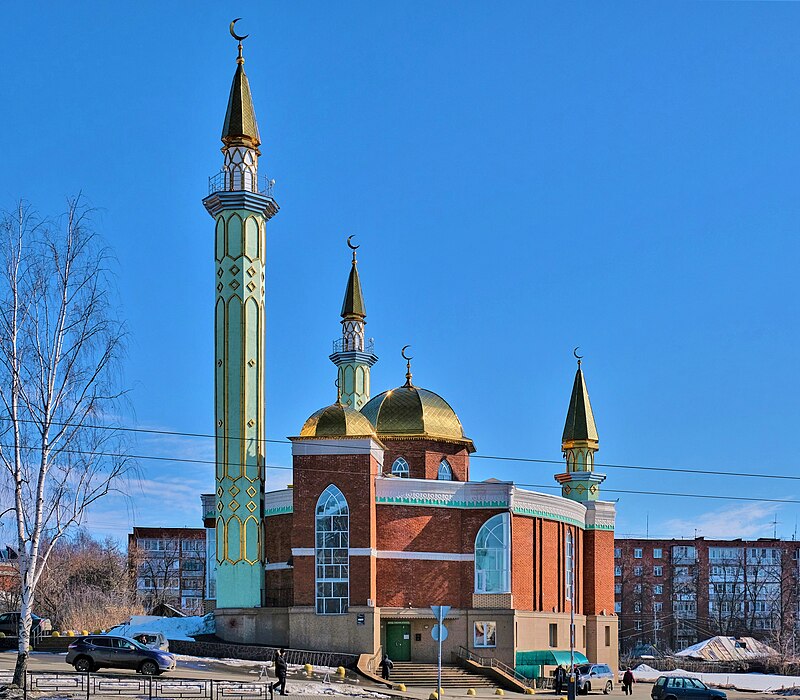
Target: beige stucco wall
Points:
x,y
340,633
599,630
268,626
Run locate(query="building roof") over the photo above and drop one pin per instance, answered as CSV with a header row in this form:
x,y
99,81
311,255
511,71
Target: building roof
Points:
x,y
580,424
177,532
240,118
728,649
409,411
353,305
335,421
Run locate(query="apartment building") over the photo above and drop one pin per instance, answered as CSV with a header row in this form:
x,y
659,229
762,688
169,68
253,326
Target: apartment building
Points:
x,y
675,592
170,567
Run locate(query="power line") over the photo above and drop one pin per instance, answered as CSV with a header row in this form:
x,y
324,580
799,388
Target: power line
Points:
x,y
499,458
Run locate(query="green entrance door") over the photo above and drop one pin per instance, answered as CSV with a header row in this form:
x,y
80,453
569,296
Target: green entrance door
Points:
x,y
398,640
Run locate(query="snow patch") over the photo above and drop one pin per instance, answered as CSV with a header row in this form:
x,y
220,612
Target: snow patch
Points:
x,y
758,682
179,628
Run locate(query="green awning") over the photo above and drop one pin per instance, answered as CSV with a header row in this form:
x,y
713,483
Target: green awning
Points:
x,y
529,663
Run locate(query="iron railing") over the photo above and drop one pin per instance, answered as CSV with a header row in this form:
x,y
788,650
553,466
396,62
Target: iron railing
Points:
x,y
223,181
340,345
491,662
86,685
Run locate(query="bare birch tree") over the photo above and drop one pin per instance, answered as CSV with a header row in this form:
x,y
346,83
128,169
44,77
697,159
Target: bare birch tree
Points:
x,y
60,343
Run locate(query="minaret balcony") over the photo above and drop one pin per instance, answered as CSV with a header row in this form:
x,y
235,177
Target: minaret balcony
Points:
x,y
343,345
227,181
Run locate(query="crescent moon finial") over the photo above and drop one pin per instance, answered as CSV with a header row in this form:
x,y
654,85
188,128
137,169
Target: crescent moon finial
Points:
x,y
352,247
408,365
238,38
403,353
577,356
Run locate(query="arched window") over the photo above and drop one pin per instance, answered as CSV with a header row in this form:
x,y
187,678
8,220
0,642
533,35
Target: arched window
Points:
x,y
445,471
493,556
569,572
400,468
331,549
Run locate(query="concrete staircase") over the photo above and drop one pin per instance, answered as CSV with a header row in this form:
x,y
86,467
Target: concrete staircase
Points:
x,y
417,674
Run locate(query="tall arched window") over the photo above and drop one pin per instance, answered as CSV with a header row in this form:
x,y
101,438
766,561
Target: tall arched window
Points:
x,y
570,565
331,548
400,468
445,471
493,556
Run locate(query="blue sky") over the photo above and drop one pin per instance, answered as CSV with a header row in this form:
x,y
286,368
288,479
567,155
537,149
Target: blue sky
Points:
x,y
522,177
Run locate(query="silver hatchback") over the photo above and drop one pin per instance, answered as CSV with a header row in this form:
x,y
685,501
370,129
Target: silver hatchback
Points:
x,y
594,677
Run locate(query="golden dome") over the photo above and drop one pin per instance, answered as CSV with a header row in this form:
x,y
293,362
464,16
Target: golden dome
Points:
x,y
337,420
409,411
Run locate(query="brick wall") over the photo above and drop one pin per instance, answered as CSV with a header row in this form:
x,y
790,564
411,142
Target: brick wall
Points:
x,y
598,559
424,456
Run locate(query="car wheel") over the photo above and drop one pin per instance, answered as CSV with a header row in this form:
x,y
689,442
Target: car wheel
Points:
x,y
149,668
83,664
587,688
609,687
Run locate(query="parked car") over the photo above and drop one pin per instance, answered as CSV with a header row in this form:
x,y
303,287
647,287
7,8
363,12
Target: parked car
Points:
x,y
106,651
9,624
678,687
154,640
594,677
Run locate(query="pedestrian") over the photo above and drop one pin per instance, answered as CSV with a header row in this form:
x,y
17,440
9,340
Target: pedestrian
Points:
x,y
561,677
627,682
386,666
280,672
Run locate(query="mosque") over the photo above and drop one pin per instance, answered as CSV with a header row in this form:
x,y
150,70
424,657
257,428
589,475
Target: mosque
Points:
x,y
382,520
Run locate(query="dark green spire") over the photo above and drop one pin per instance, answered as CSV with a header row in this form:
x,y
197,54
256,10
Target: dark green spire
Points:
x,y
240,125
353,305
580,419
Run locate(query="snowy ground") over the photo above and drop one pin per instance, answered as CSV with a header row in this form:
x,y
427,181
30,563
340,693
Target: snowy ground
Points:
x,y
183,628
758,682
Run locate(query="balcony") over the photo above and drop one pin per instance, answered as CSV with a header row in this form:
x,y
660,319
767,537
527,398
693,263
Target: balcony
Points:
x,y
340,345
225,181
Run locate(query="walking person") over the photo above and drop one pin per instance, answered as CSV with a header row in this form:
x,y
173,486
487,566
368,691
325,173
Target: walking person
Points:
x,y
561,677
386,666
627,682
280,671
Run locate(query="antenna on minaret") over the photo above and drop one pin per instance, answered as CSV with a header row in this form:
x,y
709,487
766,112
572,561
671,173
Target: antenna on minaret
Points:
x,y
647,525
775,527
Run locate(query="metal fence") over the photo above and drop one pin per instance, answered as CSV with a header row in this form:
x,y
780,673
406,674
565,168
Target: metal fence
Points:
x,y
86,685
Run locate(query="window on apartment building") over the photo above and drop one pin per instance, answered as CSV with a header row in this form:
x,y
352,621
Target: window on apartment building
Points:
x,y
192,584
637,553
332,553
617,552
553,634
658,607
658,589
637,587
657,554
608,635
637,570
193,565
617,607
658,571
657,625
617,588
400,468
211,569
570,568
637,625
617,571
445,471
485,634
192,545
493,556
637,607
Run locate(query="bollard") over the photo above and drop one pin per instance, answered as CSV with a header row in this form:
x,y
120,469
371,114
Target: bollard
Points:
x,y
471,691
308,668
341,672
499,691
401,687
529,691
433,696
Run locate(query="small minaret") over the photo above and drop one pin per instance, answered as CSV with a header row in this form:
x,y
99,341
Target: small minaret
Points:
x,y
579,443
241,205
351,353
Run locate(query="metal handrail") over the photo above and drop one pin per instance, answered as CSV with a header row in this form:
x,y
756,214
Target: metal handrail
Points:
x,y
340,345
223,182
491,662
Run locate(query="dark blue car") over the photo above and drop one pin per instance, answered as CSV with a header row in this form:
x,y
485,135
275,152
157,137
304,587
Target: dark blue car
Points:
x,y
105,651
684,687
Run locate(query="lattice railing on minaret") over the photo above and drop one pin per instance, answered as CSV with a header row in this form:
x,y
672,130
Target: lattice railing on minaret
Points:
x,y
352,335
241,169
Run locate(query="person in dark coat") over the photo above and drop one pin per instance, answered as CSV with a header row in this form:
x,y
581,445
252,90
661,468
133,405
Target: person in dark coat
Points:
x,y
386,666
627,681
561,678
280,671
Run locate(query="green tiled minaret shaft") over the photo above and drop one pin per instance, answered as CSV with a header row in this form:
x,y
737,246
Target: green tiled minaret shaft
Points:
x,y
352,353
580,442
241,205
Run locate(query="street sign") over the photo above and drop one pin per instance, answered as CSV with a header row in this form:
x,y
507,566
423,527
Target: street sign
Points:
x,y
435,633
440,611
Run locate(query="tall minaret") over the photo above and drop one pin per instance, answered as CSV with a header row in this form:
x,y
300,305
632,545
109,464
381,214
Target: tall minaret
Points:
x,y
241,204
351,354
579,443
